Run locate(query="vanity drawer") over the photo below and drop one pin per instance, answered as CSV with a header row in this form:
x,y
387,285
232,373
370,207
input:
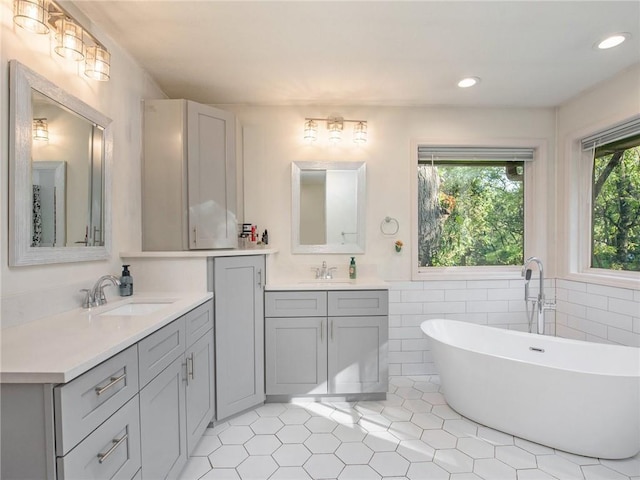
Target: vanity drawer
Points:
x,y
160,349
198,322
358,302
111,451
295,304
87,401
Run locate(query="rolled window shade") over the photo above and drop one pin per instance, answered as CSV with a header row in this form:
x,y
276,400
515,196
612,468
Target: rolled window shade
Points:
x,y
445,154
619,132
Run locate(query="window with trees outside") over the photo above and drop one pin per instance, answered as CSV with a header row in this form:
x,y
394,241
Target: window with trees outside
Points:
x,y
471,206
615,206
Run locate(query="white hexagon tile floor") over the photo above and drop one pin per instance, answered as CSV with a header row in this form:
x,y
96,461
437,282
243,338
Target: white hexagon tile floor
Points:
x,y
413,435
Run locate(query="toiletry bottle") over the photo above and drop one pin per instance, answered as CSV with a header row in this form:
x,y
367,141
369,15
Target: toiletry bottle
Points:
x,y
352,268
265,237
126,282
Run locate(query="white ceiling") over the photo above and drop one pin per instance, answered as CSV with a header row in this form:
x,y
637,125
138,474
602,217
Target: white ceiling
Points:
x,y
537,53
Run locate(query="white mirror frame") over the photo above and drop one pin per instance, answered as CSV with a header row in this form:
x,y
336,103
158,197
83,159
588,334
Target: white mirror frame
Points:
x,y
354,247
22,81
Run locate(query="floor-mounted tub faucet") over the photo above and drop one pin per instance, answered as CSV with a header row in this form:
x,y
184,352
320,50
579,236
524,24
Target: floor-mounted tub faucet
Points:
x,y
540,302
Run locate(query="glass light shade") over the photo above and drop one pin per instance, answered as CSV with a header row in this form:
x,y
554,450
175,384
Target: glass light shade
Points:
x,y
40,129
360,132
310,131
69,39
97,63
31,15
335,131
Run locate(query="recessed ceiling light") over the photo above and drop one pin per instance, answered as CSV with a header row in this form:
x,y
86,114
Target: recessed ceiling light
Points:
x,y
468,82
612,41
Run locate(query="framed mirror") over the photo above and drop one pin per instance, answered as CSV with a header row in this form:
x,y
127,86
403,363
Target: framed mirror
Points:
x,y
60,152
328,207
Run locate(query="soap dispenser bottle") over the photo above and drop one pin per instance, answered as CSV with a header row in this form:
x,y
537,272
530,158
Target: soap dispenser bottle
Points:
x,y
352,268
126,282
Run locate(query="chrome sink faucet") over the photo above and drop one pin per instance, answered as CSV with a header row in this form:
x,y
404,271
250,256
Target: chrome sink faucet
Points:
x,y
540,302
324,272
95,296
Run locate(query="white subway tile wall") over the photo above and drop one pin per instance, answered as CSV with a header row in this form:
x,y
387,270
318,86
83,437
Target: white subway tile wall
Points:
x,y
584,311
598,313
499,303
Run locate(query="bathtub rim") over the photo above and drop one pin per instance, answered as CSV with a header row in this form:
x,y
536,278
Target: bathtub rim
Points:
x,y
631,373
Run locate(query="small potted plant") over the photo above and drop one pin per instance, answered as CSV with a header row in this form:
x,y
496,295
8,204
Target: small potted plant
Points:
x,y
399,245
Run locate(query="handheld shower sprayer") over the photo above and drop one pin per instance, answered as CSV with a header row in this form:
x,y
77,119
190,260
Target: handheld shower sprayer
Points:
x,y
527,276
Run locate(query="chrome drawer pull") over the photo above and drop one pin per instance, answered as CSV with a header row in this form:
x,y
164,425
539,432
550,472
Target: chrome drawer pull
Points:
x,y
113,381
191,372
116,442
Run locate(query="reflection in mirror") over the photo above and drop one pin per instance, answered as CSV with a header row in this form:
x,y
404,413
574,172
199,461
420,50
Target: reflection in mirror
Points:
x,y
59,190
328,207
49,197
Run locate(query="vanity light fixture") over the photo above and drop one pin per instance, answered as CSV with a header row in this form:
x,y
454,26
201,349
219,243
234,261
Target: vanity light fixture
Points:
x,y
360,132
310,130
71,39
468,82
31,15
97,63
40,129
612,41
335,126
69,42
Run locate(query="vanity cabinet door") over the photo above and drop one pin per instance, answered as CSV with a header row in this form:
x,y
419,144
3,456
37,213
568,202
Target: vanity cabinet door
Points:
x,y
238,285
357,358
211,172
296,355
163,424
188,176
200,388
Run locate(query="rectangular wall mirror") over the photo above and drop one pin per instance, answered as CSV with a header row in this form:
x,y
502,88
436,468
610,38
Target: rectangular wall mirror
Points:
x,y
328,207
59,167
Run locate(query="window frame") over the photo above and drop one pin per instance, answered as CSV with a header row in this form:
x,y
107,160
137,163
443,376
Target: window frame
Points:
x,y
578,208
497,272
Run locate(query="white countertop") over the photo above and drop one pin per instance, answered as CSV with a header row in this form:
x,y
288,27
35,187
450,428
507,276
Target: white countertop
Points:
x,y
59,348
200,253
365,283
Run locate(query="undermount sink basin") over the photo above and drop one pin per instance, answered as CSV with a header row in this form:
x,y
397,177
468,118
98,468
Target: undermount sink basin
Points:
x,y
327,281
136,308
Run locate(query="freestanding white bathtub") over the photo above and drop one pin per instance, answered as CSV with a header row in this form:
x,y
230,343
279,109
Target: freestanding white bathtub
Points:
x,y
575,396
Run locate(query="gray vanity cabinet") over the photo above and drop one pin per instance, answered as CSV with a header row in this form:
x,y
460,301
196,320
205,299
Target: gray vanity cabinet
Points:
x,y
238,286
135,416
200,391
326,342
162,423
296,355
188,176
177,403
357,354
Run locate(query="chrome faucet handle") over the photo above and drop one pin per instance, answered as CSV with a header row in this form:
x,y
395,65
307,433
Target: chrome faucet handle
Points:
x,y
329,274
87,301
